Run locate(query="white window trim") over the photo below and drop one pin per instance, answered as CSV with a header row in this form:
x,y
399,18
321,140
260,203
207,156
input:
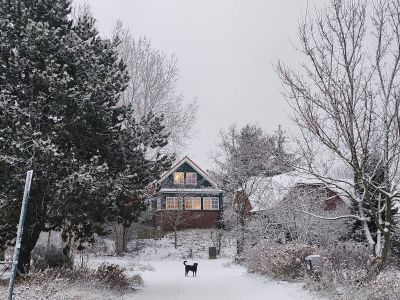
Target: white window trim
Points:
x,y
183,182
172,198
192,200
159,205
211,200
186,178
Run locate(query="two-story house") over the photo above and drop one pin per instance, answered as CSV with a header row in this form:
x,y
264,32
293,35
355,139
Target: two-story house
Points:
x,y
187,196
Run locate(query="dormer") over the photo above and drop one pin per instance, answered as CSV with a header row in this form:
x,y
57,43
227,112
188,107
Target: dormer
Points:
x,y
186,174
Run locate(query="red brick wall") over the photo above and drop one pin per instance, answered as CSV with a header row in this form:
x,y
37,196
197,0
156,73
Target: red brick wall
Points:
x,y
189,219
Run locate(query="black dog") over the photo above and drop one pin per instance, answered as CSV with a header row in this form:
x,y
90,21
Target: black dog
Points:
x,y
190,268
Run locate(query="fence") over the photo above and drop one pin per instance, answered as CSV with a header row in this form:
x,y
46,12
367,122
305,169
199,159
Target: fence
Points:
x,y
149,233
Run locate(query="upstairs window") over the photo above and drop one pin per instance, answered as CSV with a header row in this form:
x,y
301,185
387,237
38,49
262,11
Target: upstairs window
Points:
x,y
211,203
192,203
179,178
191,178
172,203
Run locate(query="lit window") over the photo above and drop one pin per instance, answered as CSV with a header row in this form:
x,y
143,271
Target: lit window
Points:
x,y
179,178
172,203
191,178
193,203
210,203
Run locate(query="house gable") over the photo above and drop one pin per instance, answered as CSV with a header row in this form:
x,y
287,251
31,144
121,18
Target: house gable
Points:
x,y
186,166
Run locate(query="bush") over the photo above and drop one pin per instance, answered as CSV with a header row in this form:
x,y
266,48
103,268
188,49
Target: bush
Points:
x,y
279,261
386,286
112,275
63,284
137,280
52,257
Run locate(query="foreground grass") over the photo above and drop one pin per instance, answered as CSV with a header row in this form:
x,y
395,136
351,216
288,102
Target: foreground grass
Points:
x,y
68,284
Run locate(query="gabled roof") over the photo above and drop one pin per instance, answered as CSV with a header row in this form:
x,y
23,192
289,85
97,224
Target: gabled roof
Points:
x,y
193,165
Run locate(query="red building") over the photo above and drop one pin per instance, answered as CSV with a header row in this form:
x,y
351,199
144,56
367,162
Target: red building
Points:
x,y
187,198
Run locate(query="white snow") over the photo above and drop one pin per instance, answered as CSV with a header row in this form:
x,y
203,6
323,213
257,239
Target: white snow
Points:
x,y
269,191
216,279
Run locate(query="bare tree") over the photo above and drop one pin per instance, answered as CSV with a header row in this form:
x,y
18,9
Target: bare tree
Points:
x,y
217,237
176,218
244,157
153,87
328,227
345,97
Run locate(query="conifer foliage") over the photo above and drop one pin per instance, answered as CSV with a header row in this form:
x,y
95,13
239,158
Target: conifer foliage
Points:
x,y
60,83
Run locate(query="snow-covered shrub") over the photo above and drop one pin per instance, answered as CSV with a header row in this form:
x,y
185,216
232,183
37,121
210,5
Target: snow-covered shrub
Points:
x,y
102,246
386,286
63,284
276,260
51,257
112,275
343,265
137,280
348,271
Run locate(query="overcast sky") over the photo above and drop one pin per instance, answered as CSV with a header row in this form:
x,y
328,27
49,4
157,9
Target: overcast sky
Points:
x,y
225,50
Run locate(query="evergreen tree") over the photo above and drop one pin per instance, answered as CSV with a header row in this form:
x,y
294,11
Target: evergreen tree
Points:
x,y
59,88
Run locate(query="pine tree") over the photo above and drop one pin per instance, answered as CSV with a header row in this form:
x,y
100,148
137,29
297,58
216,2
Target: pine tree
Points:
x,y
60,84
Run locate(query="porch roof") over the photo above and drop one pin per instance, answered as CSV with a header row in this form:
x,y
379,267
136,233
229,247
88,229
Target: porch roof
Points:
x,y
191,191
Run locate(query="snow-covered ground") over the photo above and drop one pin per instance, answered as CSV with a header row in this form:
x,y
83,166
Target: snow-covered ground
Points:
x,y
161,267
216,279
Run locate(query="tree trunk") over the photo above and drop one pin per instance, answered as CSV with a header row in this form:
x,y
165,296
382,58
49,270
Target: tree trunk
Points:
x,y
240,241
30,237
125,239
119,238
176,238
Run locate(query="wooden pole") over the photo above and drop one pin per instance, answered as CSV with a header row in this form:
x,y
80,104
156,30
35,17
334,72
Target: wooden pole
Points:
x,y
19,233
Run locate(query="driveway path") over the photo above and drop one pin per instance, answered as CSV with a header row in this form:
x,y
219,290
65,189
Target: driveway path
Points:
x,y
216,279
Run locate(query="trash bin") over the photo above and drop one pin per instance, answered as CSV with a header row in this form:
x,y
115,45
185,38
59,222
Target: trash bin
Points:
x,y
212,253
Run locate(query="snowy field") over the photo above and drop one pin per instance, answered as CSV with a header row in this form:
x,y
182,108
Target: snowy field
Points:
x,y
216,279
161,267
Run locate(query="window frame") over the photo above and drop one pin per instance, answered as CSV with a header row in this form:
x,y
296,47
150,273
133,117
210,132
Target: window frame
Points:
x,y
159,205
183,178
211,203
192,199
176,201
192,182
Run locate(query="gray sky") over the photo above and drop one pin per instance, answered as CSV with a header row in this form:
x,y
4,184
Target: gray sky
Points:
x,y
225,50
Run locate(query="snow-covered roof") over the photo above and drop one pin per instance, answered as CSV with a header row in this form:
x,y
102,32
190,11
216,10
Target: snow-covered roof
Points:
x,y
270,191
191,191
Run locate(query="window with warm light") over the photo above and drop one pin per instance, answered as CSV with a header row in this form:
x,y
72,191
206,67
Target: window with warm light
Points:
x,y
211,203
179,178
191,178
192,203
172,203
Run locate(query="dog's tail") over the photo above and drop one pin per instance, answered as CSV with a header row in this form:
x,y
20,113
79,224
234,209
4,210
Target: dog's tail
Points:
x,y
185,262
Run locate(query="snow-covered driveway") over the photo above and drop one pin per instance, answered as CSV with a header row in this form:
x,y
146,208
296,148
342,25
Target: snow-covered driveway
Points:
x,y
216,279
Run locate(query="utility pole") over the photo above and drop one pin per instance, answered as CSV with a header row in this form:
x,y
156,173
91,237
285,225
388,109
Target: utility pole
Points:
x,y
19,233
